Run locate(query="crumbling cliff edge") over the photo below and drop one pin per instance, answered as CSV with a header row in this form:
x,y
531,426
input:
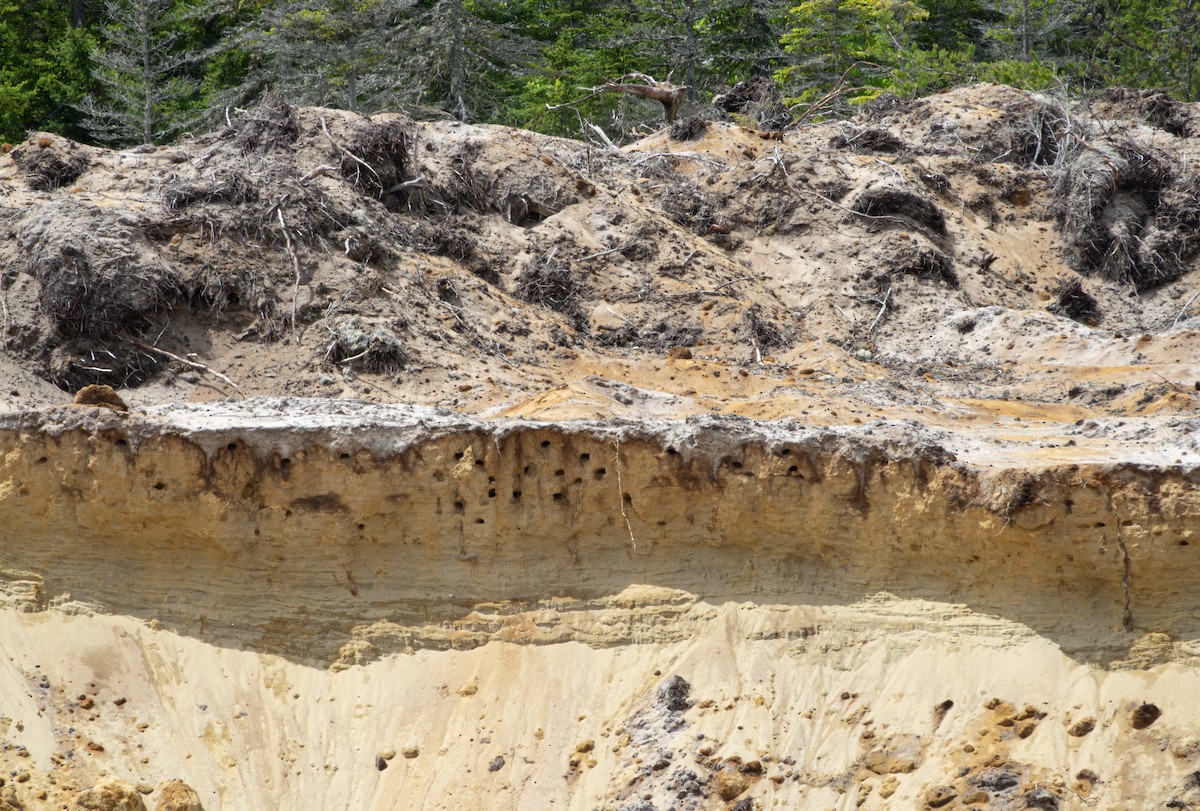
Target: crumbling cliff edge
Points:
x,y
847,574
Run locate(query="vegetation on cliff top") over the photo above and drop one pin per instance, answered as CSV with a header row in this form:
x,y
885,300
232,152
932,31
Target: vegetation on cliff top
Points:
x,y
129,71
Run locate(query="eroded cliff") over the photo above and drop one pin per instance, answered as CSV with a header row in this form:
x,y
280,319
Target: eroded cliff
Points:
x,y
691,614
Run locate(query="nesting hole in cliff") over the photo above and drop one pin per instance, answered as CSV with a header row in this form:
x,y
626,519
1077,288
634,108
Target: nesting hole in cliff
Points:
x,y
1144,716
285,465
232,446
343,456
600,473
672,452
459,507
786,452
480,521
583,457
736,465
40,461
458,455
559,497
794,471
121,443
560,473
492,493
478,463
361,527
528,470
160,486
545,443
1184,543
628,499
516,495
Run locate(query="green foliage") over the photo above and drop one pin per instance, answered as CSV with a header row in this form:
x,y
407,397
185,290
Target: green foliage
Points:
x,y
508,61
1031,75
148,70
860,41
44,68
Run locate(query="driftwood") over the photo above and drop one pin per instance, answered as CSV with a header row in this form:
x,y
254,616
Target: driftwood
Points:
x,y
669,95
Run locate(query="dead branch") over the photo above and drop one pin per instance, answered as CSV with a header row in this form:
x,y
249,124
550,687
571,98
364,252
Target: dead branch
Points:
x,y
1187,304
603,137
200,367
346,152
669,95
840,89
882,309
320,171
408,184
287,238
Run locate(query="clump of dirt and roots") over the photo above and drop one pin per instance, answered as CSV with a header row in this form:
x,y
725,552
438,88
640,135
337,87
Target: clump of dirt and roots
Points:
x,y
315,251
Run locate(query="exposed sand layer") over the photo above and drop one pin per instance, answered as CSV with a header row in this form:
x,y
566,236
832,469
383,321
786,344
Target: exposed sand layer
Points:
x,y
863,617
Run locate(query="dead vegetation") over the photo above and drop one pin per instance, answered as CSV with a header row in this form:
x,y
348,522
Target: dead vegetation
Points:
x,y
231,187
374,158
45,167
552,285
273,124
1073,301
886,204
1124,217
355,344
381,245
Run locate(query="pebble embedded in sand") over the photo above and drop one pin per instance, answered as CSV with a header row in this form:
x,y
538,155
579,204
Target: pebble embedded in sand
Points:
x,y
108,795
176,795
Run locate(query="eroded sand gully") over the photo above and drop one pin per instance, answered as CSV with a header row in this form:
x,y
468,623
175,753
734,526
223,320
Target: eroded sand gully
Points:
x,y
862,617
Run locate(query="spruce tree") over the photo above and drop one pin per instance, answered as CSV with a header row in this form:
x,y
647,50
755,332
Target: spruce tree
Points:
x,y
148,88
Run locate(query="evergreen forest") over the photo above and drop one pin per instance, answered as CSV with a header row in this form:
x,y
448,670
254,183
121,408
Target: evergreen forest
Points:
x,y
124,72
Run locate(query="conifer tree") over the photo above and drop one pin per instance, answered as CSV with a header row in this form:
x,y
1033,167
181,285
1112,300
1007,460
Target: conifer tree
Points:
x,y
148,90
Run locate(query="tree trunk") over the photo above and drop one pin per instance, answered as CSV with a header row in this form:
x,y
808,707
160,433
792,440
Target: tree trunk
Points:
x,y
148,79
458,103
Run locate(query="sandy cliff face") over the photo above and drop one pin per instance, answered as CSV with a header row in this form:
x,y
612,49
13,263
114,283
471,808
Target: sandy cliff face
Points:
x,y
707,614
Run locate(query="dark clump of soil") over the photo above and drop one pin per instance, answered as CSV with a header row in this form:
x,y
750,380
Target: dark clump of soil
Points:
x,y
868,140
1075,302
673,694
1144,716
690,128
886,202
374,160
369,347
552,286
101,397
1127,216
757,101
231,187
46,168
271,125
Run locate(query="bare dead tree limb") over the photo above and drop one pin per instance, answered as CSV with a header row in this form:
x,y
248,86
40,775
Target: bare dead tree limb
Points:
x,y
840,89
643,86
200,367
287,237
